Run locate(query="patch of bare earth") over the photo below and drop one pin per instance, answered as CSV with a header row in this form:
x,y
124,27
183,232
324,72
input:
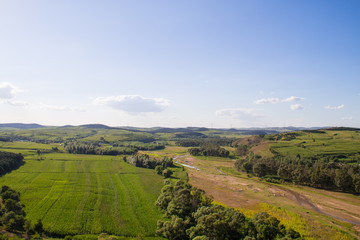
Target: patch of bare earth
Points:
x,y
222,188
262,149
258,145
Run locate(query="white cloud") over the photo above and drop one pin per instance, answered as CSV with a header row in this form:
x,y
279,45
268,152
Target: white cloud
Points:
x,y
277,100
347,118
292,99
7,90
334,107
7,94
239,113
267,100
296,107
39,106
133,104
59,108
15,103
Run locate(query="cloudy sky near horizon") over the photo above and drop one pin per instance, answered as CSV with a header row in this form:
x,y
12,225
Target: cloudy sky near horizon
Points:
x,y
180,63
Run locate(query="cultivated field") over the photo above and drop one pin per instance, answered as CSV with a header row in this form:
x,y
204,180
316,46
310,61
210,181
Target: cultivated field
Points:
x,y
78,194
342,145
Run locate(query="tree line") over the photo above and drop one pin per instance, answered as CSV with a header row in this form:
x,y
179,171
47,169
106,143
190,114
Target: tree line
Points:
x,y
10,161
145,161
114,149
197,142
88,148
319,173
209,150
189,214
161,165
4,139
140,145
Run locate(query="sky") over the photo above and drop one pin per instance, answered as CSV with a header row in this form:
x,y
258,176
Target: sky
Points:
x,y
204,63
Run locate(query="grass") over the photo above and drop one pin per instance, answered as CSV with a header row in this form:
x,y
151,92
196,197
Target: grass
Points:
x,y
81,133
307,226
341,144
85,194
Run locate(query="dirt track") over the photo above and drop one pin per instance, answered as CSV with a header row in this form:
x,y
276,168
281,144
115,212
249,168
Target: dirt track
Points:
x,y
304,202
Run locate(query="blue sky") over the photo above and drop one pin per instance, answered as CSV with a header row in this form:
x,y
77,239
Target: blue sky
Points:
x,y
180,63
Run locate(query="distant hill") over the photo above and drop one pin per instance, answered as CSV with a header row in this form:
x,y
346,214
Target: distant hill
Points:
x,y
97,126
21,125
242,131
176,130
342,129
264,131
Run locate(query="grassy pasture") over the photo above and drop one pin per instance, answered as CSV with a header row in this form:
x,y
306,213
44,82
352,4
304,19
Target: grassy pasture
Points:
x,y
114,135
94,134
85,194
345,144
78,133
50,134
27,148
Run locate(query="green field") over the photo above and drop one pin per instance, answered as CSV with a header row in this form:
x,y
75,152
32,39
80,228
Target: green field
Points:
x,y
85,194
343,145
96,133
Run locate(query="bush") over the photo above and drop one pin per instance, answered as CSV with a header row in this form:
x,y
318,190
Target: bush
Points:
x,y
167,173
38,227
159,169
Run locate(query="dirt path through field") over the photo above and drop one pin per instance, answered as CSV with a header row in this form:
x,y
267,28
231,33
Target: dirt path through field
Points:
x,y
240,192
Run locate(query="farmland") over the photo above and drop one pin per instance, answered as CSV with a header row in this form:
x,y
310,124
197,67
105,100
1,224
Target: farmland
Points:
x,y
341,145
78,194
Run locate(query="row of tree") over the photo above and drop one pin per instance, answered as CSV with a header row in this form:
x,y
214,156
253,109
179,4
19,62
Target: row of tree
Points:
x,y
189,214
87,148
127,148
10,161
145,161
4,139
197,142
315,173
209,150
140,145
